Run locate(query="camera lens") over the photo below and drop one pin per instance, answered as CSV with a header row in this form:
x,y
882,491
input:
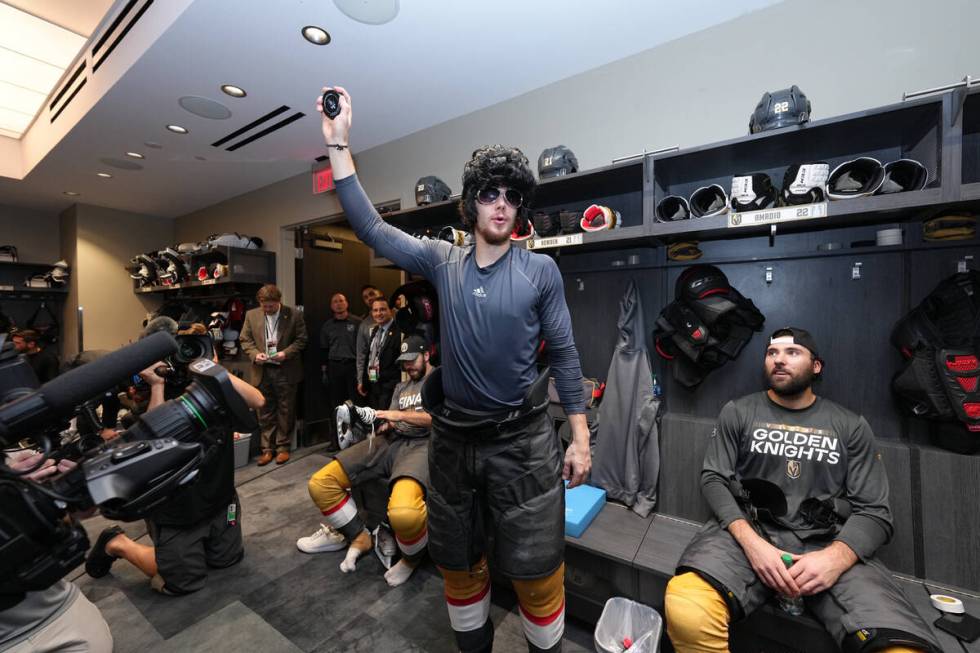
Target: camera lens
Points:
x,y
331,104
190,350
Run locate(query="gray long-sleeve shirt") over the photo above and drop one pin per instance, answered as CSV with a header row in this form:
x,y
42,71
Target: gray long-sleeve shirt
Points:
x,y
491,318
823,451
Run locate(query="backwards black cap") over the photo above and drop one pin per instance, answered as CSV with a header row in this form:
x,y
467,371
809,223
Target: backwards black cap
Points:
x,y
796,336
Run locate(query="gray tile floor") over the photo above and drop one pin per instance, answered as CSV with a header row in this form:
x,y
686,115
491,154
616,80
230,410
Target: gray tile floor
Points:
x,y
279,599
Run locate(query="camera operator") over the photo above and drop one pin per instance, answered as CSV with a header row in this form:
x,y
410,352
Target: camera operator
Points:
x,y
198,528
59,617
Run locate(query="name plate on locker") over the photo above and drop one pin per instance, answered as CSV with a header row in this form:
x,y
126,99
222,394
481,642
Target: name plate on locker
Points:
x,y
556,241
777,215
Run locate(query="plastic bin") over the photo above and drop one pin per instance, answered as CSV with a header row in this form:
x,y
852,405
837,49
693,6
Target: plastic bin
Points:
x,y
621,619
242,442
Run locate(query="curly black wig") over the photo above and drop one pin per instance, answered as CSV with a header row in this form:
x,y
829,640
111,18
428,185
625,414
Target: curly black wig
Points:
x,y
496,164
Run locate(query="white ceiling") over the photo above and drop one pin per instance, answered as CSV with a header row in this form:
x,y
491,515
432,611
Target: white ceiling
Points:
x,y
437,60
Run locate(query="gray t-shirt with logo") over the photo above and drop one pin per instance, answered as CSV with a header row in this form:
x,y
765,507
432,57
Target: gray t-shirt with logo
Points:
x,y
408,396
824,451
491,319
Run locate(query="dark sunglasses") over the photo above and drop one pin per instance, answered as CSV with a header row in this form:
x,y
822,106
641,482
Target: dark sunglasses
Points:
x,y
490,194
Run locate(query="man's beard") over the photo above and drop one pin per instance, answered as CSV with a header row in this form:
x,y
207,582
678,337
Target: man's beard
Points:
x,y
794,385
491,238
414,373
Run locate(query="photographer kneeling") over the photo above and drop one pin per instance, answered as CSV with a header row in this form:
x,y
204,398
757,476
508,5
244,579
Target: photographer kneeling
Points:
x,y
198,528
59,617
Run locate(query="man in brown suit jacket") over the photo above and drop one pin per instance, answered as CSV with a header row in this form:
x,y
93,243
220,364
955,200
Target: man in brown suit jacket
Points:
x,y
274,337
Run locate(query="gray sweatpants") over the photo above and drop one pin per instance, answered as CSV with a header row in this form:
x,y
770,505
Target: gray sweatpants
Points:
x,y
864,597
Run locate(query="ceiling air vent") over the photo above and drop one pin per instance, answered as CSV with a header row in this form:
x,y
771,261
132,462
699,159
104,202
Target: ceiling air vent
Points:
x,y
117,31
67,92
259,134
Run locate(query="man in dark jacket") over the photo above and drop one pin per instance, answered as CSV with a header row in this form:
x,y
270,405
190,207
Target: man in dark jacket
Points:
x,y
274,337
338,338
820,459
381,370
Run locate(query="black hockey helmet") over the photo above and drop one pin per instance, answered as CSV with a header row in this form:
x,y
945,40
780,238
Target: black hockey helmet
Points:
x,y
431,189
700,281
556,161
783,108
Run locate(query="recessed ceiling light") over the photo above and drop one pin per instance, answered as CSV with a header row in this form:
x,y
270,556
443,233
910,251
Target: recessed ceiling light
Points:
x,y
153,145
71,193
316,35
233,91
135,155
177,129
104,175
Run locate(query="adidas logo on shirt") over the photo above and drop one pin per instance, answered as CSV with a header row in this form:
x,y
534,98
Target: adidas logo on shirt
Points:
x,y
480,292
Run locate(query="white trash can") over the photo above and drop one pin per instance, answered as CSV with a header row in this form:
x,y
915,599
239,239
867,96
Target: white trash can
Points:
x,y
625,622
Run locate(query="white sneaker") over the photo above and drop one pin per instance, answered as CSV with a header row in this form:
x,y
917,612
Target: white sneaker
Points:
x,y
325,539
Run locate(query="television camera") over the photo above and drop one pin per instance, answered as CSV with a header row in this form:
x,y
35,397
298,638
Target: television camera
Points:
x,y
127,478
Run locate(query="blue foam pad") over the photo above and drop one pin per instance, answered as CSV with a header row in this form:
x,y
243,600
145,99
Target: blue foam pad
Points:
x,y
582,504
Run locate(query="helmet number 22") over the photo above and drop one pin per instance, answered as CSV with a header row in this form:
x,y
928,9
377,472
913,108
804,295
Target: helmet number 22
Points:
x,y
780,107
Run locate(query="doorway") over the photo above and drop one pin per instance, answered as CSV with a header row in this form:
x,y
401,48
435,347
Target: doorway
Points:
x,y
332,260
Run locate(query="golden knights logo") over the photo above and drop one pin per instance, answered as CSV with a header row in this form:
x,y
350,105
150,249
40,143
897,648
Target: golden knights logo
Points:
x,y
793,468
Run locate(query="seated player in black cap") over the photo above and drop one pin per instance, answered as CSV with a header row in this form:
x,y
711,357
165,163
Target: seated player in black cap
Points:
x,y
821,461
400,455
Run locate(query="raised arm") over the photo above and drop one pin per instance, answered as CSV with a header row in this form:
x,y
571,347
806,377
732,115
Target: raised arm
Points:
x,y
412,254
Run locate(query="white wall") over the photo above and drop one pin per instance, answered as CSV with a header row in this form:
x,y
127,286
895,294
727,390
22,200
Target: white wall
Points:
x,y
846,55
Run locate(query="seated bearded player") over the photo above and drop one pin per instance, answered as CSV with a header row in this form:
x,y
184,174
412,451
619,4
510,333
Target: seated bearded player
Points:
x,y
396,450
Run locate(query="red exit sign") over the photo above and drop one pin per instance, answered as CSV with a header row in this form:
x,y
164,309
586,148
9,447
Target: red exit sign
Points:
x,y
323,180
